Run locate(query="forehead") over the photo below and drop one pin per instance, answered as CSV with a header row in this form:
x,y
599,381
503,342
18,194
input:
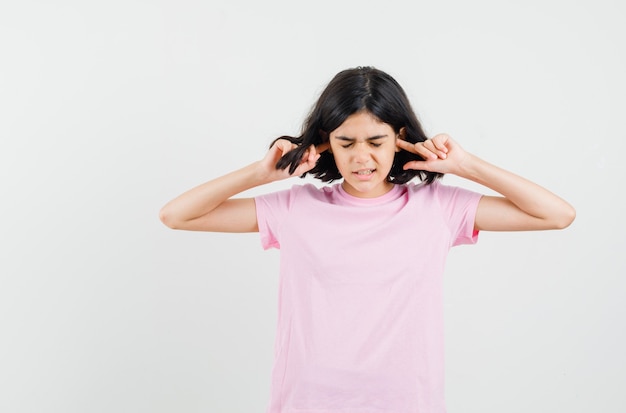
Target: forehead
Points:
x,y
362,124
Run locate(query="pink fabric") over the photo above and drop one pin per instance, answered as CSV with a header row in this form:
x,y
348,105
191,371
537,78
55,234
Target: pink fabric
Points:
x,y
360,311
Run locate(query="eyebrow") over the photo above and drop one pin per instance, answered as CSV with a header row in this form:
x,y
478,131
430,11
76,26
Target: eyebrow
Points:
x,y
371,138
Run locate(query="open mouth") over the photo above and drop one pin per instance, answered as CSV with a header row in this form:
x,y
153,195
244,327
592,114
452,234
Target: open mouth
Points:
x,y
364,174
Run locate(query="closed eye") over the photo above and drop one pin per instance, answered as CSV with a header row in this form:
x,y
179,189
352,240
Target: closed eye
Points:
x,y
374,144
375,141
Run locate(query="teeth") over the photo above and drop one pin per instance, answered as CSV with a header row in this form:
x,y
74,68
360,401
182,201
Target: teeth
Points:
x,y
365,172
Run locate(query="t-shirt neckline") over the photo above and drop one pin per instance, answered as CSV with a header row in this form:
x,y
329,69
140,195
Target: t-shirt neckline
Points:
x,y
392,194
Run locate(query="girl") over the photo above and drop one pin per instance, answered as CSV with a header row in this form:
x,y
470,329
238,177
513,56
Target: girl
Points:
x,y
360,321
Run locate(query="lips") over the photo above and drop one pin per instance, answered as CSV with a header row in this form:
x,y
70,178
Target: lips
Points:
x,y
364,174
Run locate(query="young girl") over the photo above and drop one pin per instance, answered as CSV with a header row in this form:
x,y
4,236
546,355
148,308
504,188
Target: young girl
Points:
x,y
360,326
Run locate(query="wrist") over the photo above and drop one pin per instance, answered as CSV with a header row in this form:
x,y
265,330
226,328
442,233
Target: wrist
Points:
x,y
469,167
260,173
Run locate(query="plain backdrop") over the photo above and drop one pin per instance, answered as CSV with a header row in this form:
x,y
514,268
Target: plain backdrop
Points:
x,y
110,109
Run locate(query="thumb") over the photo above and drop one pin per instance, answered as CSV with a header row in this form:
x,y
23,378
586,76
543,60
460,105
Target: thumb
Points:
x,y
418,165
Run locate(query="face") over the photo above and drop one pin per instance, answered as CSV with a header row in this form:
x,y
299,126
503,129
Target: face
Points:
x,y
364,149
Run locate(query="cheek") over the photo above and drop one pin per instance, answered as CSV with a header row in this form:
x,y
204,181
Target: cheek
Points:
x,y
340,162
338,157
386,154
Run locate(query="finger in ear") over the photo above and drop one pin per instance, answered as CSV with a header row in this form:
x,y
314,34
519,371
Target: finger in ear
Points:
x,y
325,146
401,135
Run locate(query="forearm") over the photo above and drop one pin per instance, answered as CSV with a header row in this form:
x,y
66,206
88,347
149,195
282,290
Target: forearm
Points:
x,y
204,198
529,197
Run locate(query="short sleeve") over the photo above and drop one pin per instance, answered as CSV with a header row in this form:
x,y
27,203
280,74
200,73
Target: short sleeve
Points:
x,y
270,208
459,206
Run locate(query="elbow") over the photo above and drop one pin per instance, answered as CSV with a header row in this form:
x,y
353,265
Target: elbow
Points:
x,y
166,218
566,218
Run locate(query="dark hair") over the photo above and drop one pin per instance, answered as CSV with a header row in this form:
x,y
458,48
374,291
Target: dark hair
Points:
x,y
351,91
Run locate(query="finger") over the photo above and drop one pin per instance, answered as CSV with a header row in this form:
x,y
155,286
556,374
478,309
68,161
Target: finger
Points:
x,y
441,142
312,154
307,163
416,148
425,150
417,165
407,146
436,148
323,147
284,145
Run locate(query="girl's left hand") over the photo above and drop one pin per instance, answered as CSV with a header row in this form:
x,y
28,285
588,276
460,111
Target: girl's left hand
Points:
x,y
441,154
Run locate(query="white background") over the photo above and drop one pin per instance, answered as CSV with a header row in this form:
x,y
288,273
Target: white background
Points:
x,y
110,109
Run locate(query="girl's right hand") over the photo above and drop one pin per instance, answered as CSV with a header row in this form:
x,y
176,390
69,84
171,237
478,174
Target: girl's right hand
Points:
x,y
278,150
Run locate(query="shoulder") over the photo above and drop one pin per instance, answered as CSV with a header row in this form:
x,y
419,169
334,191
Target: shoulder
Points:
x,y
437,188
298,193
438,194
311,191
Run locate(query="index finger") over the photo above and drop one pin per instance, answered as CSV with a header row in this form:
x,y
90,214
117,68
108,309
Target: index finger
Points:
x,y
322,147
407,146
417,148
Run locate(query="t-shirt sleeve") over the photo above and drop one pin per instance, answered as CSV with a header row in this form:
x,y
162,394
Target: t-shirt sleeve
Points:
x,y
459,208
271,210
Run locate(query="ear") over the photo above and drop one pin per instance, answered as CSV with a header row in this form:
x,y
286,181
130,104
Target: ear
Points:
x,y
400,135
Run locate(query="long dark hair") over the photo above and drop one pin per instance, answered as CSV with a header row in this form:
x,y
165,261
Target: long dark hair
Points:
x,y
351,91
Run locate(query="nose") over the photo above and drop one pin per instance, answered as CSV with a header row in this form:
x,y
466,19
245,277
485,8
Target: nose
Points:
x,y
361,152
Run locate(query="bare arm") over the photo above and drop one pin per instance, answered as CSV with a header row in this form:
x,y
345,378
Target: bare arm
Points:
x,y
523,206
211,206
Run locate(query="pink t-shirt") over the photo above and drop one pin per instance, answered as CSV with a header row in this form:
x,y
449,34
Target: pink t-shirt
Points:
x,y
360,309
